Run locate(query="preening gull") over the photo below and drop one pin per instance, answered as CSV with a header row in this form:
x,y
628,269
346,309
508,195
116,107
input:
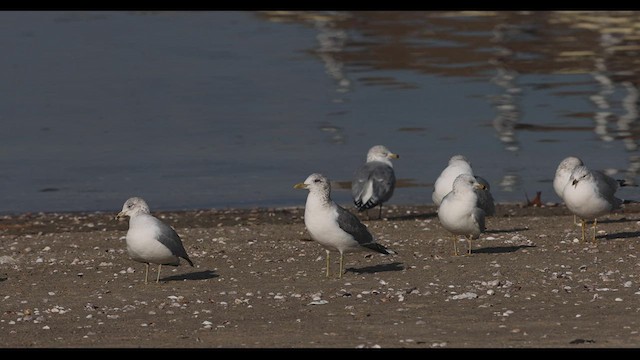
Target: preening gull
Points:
x,y
149,240
459,212
374,182
563,172
590,194
458,164
331,225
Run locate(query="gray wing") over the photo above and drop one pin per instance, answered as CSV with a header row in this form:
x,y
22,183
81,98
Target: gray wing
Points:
x,y
485,199
607,187
383,181
352,225
478,215
169,238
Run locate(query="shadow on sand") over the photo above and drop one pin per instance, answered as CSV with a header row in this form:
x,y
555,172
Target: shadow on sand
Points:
x,y
501,249
199,275
395,266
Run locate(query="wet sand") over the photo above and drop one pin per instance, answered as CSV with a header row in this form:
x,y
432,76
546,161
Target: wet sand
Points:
x,y
259,282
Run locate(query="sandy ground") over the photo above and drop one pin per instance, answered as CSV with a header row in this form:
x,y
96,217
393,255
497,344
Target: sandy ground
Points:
x,y
259,282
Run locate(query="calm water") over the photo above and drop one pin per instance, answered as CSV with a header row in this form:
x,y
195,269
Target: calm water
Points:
x,y
230,109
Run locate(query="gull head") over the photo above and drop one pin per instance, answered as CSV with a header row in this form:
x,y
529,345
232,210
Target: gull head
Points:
x,y
132,207
579,173
570,163
380,153
457,158
315,182
466,181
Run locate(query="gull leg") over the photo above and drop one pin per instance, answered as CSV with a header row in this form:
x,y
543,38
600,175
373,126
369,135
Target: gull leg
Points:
x,y
575,220
158,278
327,263
380,212
455,245
341,263
469,240
595,221
582,224
146,273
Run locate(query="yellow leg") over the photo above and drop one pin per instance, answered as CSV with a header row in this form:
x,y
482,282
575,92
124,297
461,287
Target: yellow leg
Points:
x,y
327,263
595,221
158,278
455,245
146,273
469,240
582,224
341,262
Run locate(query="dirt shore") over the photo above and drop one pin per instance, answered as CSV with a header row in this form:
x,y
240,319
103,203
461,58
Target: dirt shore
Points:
x,y
259,282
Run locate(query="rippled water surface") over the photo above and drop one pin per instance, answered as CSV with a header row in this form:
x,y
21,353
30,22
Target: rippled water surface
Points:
x,y
231,109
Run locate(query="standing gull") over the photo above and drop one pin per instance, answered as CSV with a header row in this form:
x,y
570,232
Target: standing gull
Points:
x,y
590,194
331,225
458,164
149,240
563,173
459,212
374,182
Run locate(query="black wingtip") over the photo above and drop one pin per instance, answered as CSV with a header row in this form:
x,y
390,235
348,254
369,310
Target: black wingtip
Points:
x,y
379,248
625,183
189,261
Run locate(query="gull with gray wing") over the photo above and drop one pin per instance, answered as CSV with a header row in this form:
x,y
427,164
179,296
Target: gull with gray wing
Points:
x,y
374,182
149,240
331,225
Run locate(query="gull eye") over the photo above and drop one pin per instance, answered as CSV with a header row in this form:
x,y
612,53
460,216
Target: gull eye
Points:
x,y
130,206
316,180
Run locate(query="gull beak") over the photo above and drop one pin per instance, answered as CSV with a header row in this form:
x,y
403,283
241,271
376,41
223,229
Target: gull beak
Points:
x,y
393,156
480,186
300,186
120,215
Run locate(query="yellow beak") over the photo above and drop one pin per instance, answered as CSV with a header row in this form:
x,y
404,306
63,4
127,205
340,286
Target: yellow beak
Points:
x,y
120,215
480,186
393,156
300,186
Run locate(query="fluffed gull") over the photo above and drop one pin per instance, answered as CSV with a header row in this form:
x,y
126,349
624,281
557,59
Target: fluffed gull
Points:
x,y
458,164
374,182
331,225
459,212
563,172
590,194
149,240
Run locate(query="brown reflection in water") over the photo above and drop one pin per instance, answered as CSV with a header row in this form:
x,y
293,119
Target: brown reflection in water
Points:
x,y
499,45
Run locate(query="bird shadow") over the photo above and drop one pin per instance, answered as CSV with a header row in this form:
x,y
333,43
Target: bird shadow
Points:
x,y
621,235
613,221
505,230
395,266
429,215
198,275
501,249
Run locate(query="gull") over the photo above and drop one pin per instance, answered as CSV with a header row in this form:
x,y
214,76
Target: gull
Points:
x,y
331,225
458,164
590,194
459,212
149,240
374,182
563,173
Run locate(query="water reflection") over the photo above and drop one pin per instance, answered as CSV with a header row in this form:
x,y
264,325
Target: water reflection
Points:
x,y
503,48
